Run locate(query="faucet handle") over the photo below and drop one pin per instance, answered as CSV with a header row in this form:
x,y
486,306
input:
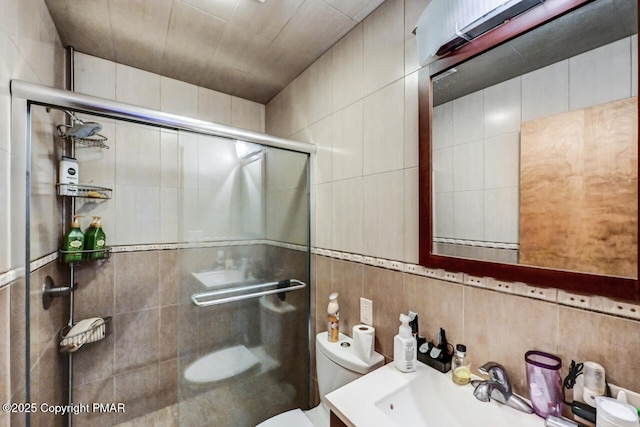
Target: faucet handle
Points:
x,y
497,373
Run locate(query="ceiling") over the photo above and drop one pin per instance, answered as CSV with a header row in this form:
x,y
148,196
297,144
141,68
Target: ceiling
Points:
x,y
591,26
247,48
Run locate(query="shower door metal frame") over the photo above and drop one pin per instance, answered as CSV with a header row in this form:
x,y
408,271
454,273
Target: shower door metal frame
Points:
x,y
25,94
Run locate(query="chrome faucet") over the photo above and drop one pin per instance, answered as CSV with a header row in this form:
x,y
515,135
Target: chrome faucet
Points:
x,y
498,387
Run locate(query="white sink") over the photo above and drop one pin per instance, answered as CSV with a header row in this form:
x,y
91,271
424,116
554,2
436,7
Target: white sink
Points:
x,y
219,278
425,398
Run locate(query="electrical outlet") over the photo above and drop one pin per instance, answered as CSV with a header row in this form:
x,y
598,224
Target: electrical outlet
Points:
x,y
366,311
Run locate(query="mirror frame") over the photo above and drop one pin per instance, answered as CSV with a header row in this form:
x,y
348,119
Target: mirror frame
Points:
x,y
583,283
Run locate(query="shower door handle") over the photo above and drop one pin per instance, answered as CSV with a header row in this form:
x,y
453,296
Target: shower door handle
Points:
x,y
226,295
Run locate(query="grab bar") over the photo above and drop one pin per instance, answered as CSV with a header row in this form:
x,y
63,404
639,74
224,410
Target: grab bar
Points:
x,y
282,286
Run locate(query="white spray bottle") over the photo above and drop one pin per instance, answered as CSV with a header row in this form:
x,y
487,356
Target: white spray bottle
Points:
x,y
405,351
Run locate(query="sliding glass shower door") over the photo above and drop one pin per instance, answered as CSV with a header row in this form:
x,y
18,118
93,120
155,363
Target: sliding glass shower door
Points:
x,y
243,281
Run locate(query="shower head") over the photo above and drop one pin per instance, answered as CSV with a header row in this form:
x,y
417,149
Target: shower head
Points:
x,y
79,128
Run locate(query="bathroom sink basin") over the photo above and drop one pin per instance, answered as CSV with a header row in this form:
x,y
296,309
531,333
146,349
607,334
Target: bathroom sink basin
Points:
x,y
219,278
425,398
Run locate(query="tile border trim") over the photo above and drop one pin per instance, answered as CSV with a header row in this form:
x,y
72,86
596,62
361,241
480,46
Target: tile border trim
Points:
x,y
550,294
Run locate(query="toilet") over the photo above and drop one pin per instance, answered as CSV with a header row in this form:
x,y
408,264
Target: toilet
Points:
x,y
337,365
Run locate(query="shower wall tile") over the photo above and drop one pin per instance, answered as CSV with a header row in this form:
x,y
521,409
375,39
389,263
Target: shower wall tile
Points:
x,y
97,391
95,361
214,106
247,114
136,288
442,123
169,159
137,215
168,333
97,166
140,389
600,75
137,155
169,200
169,278
137,340
412,11
178,97
94,76
5,352
137,87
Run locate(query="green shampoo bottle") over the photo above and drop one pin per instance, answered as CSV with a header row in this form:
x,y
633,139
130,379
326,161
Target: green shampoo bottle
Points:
x,y
74,242
95,239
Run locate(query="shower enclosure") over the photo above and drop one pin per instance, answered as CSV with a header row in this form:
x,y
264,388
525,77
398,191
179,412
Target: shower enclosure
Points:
x,y
206,280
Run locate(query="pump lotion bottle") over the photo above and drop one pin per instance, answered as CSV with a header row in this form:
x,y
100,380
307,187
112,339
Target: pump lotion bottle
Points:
x,y
405,347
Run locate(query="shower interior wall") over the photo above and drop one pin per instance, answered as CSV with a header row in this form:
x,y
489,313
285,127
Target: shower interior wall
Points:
x,y
165,191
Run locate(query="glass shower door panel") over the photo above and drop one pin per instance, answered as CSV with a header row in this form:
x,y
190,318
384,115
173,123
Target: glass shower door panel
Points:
x,y
243,344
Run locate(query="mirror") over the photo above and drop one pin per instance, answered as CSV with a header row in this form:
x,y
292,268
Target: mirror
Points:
x,y
516,180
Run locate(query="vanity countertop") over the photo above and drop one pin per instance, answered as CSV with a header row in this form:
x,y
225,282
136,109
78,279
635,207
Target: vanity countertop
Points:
x,y
388,397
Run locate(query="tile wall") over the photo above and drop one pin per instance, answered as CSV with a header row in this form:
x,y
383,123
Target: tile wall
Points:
x,y
358,104
31,50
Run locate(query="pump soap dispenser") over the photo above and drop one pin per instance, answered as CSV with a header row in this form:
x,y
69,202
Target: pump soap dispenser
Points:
x,y
405,347
73,242
95,239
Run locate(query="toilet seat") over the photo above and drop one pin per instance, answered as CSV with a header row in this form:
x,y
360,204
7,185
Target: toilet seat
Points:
x,y
292,418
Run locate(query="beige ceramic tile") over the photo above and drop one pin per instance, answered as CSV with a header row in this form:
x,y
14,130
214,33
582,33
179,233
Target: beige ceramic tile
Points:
x,y
498,327
383,215
320,97
323,216
178,97
348,282
348,214
383,129
95,296
611,341
411,216
323,287
136,339
137,87
438,305
136,288
385,289
94,76
98,391
383,46
214,106
411,134
247,114
347,69
347,139
138,155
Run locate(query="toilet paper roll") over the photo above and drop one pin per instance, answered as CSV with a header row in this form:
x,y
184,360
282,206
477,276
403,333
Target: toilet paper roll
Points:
x,y
363,341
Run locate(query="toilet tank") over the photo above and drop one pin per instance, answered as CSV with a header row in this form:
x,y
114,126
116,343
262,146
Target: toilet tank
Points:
x,y
337,363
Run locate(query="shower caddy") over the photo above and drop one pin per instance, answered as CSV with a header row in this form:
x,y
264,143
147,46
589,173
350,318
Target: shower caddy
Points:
x,y
96,328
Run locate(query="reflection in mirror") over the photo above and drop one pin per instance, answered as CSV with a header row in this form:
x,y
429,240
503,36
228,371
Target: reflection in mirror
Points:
x,y
534,147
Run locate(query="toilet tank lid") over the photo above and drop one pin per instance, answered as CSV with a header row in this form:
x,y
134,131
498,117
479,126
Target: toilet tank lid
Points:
x,y
343,353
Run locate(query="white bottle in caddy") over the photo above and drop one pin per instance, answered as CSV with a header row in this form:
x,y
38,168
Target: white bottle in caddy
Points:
x,y
68,177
